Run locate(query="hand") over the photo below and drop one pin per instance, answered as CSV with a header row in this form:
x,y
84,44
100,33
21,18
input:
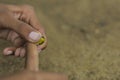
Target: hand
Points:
x,y
19,24
28,75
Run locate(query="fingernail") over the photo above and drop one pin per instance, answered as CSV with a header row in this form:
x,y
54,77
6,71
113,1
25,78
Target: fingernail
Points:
x,y
35,36
9,52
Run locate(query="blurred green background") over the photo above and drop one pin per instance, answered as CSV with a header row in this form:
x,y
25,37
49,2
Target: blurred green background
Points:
x,y
83,39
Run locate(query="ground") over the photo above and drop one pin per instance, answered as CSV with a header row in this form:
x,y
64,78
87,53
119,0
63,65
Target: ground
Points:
x,y
83,39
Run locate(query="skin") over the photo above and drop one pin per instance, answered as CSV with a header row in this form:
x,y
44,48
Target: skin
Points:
x,y
30,75
16,23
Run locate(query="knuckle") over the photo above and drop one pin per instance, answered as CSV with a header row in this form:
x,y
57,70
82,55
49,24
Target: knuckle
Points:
x,y
44,46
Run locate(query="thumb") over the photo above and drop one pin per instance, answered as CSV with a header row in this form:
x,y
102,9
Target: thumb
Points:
x,y
25,30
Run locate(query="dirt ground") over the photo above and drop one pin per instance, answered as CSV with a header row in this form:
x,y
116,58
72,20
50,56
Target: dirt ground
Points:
x,y
83,39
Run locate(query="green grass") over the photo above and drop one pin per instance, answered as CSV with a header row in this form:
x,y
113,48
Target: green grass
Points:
x,y
83,39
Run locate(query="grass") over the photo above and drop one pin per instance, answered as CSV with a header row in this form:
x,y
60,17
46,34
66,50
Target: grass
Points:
x,y
83,37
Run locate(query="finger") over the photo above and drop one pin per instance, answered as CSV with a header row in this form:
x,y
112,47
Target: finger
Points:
x,y
43,46
12,36
16,51
22,52
25,30
26,13
39,50
9,50
32,19
4,33
35,24
29,16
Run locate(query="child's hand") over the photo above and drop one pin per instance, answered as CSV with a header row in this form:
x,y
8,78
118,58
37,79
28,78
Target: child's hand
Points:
x,y
19,24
